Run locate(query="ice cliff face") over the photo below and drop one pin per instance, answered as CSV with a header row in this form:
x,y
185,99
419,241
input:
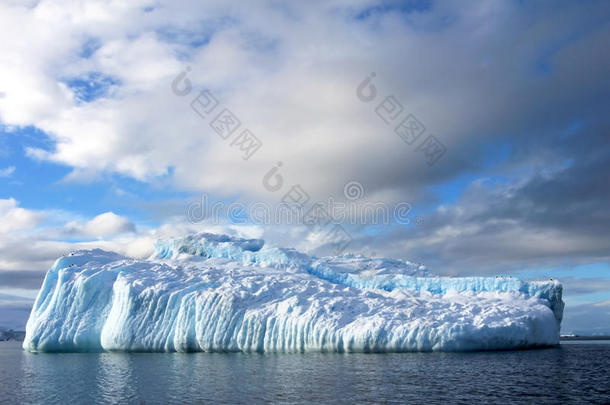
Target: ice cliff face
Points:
x,y
217,293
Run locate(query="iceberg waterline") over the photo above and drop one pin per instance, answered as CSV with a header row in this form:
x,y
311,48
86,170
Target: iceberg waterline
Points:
x,y
217,293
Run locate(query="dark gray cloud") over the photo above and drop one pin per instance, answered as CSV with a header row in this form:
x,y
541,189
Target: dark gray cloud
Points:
x,y
573,286
29,280
588,319
14,311
550,212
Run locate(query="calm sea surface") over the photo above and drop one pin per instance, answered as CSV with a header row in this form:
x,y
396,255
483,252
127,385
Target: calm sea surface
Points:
x,y
571,373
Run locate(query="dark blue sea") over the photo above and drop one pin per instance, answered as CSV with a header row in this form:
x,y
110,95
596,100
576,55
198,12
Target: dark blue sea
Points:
x,y
570,373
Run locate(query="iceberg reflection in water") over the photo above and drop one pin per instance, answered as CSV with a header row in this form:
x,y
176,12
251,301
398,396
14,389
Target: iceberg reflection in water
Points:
x,y
566,374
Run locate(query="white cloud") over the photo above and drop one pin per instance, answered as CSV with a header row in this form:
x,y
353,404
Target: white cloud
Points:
x,y
14,218
107,224
7,172
32,240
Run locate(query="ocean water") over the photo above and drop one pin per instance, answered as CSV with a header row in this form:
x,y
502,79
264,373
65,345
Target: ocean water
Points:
x,y
571,373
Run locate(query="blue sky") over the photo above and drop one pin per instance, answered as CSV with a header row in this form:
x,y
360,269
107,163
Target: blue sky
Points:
x,y
96,150
32,179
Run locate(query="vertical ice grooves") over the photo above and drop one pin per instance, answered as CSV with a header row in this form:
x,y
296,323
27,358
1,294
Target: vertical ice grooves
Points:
x,y
219,294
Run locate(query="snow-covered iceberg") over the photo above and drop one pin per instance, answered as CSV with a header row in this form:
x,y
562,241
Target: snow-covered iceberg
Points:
x,y
217,293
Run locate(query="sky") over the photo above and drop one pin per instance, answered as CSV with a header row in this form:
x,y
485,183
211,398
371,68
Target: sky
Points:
x,y
481,130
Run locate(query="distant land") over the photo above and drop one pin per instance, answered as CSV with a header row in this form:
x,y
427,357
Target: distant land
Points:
x,y
578,337
9,334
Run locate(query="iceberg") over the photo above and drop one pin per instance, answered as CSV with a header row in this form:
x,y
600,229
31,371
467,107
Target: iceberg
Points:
x,y
219,293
